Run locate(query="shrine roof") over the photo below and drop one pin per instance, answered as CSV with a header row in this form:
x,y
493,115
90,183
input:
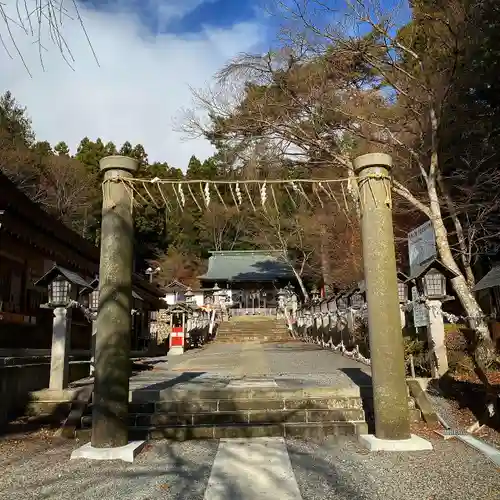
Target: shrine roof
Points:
x,y
490,280
247,265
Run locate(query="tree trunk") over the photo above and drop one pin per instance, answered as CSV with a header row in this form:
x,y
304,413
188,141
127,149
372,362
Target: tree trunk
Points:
x,y
464,294
464,254
325,262
301,284
483,346
484,349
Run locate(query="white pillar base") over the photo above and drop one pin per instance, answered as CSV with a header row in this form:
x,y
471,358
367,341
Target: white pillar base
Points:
x,y
175,350
126,453
414,443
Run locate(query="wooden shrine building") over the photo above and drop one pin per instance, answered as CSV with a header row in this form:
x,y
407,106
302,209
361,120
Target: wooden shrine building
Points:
x,y
31,242
251,278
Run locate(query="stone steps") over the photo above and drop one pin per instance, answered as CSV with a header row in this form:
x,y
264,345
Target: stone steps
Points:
x,y
242,417
252,330
248,413
233,340
298,430
260,417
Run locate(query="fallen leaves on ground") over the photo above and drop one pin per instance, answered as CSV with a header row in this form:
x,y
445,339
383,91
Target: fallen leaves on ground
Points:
x,y
424,430
493,377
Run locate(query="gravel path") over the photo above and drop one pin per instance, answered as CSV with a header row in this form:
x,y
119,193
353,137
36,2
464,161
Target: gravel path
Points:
x,y
330,469
451,472
445,410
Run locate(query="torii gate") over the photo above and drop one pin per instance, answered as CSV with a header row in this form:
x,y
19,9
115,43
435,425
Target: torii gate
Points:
x,y
111,392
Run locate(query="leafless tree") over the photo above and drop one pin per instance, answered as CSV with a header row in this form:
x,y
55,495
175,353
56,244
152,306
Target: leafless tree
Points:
x,y
42,21
339,89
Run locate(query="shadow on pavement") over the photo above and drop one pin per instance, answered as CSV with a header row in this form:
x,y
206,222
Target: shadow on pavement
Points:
x,y
364,382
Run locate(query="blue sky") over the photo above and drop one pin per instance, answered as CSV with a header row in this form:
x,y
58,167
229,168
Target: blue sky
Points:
x,y
194,15
151,54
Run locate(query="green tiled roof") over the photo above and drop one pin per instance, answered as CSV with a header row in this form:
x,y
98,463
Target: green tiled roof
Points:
x,y
247,265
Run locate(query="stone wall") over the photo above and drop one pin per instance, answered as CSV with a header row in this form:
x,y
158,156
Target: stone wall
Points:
x,y
161,327
17,381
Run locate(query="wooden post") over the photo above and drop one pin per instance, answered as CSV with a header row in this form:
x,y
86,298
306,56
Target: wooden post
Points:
x,y
390,395
112,357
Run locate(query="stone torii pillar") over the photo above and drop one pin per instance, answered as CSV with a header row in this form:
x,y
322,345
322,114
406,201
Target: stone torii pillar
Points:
x,y
390,394
114,322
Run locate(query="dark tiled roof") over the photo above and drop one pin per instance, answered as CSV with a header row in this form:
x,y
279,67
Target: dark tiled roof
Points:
x,y
491,279
247,265
69,275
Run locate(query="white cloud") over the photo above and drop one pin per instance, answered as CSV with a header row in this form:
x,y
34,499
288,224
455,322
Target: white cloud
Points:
x,y
138,89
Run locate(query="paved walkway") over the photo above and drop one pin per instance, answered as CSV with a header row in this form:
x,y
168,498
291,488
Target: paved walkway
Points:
x,y
291,366
264,359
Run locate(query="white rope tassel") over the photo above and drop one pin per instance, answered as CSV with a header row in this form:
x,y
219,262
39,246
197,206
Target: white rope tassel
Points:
x,y
239,196
182,198
263,194
207,194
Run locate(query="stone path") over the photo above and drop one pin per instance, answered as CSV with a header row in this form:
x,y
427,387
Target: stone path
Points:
x,y
256,468
292,366
263,359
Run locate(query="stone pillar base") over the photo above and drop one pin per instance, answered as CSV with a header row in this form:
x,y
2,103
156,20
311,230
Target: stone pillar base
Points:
x,y
414,443
126,453
175,350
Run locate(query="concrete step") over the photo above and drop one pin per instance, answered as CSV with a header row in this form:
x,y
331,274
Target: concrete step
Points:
x,y
251,332
311,430
242,403
246,412
163,419
261,335
235,392
236,331
250,341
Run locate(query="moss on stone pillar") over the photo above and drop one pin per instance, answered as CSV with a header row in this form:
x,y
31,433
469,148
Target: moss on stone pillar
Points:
x,y
112,357
386,340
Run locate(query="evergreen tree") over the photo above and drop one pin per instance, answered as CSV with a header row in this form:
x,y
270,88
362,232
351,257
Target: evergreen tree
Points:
x,y
61,148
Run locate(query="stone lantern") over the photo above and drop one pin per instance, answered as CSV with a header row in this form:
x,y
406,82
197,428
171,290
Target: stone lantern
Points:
x,y
429,280
64,286
315,295
189,296
341,303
